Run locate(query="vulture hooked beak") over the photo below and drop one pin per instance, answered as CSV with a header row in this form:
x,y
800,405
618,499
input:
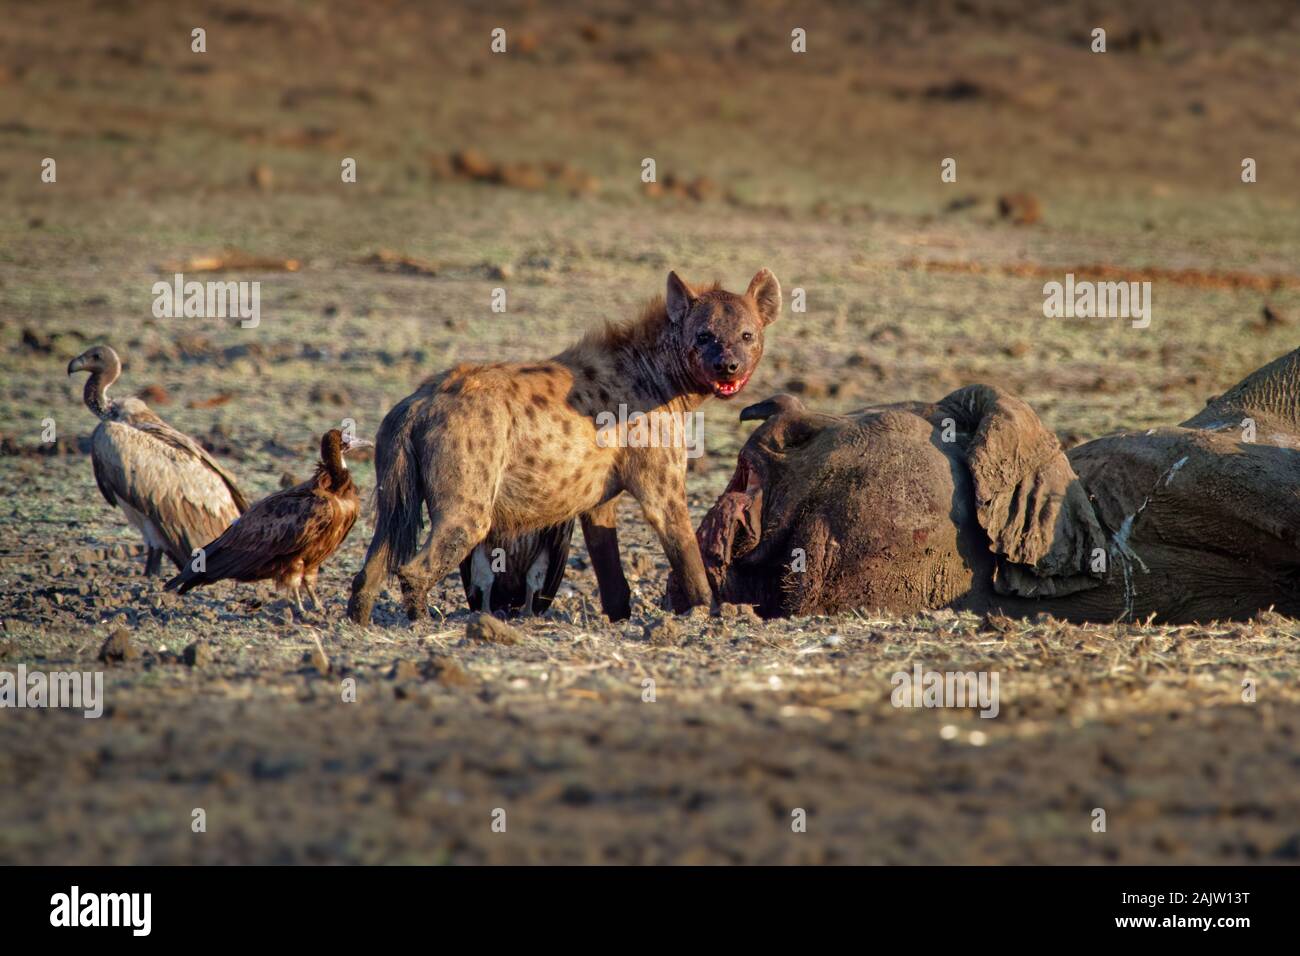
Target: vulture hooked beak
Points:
x,y
351,442
78,364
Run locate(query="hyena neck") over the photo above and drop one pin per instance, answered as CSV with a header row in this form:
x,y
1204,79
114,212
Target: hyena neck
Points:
x,y
660,377
648,361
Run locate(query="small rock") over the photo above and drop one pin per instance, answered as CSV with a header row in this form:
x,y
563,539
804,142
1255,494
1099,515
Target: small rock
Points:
x,y
322,394
485,627
446,670
118,648
1023,209
472,164
703,189
261,177
743,612
403,670
1288,850
812,386
640,564
198,654
522,176
662,632
153,395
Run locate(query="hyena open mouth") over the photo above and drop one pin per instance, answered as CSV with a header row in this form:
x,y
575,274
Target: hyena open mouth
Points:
x,y
728,389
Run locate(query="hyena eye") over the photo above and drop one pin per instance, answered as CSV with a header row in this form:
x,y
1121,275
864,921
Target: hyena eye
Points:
x,y
748,336
703,338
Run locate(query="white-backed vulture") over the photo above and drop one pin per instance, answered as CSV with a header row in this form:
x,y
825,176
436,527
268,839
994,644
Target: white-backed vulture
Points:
x,y
286,536
171,490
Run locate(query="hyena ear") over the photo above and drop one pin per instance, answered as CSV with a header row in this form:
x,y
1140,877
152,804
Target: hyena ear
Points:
x,y
766,292
679,299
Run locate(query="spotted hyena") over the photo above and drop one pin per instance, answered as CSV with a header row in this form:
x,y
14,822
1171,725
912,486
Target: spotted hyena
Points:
x,y
512,448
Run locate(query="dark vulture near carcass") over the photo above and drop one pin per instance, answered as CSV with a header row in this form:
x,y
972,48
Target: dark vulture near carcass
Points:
x,y
171,490
517,575
286,536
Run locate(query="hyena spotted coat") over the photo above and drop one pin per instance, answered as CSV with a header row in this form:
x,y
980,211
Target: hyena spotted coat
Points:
x,y
512,448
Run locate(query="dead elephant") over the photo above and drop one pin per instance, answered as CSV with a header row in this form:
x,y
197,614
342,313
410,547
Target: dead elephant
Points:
x,y
970,503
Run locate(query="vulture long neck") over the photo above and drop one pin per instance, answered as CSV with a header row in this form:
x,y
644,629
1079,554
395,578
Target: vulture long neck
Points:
x,y
96,392
331,465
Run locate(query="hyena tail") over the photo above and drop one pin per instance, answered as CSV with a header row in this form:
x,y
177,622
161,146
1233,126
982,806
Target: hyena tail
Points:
x,y
398,511
399,500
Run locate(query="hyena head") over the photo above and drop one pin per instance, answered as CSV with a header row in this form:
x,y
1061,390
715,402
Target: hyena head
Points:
x,y
721,333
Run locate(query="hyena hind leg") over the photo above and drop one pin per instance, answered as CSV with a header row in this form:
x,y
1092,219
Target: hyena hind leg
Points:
x,y
368,581
451,538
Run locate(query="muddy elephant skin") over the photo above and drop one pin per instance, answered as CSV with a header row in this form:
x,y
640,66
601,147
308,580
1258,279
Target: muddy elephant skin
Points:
x,y
970,503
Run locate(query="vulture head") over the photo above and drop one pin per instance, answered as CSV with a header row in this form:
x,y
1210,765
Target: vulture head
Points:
x,y
334,444
104,367
98,360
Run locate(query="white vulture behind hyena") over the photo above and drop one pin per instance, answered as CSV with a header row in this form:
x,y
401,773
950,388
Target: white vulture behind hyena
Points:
x,y
171,490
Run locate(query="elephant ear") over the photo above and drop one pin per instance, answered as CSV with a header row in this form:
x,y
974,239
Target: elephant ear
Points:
x,y
1028,498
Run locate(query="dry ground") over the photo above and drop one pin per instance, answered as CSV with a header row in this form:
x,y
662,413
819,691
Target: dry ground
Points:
x,y
823,167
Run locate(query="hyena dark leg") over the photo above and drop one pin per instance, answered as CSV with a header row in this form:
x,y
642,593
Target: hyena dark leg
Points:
x,y
664,505
600,531
367,582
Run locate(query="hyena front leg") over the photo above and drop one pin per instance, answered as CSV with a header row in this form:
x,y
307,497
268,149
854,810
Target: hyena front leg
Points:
x,y
663,500
600,531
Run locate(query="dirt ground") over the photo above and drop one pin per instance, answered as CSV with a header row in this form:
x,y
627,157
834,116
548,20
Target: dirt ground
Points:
x,y
522,171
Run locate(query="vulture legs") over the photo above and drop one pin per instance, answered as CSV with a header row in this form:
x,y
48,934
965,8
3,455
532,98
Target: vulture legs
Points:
x,y
534,581
481,576
153,563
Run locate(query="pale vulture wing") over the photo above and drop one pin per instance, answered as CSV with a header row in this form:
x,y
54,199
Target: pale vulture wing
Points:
x,y
143,418
187,500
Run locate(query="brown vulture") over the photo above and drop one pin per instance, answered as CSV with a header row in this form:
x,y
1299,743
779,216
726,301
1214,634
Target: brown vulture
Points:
x,y
171,490
517,575
286,536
